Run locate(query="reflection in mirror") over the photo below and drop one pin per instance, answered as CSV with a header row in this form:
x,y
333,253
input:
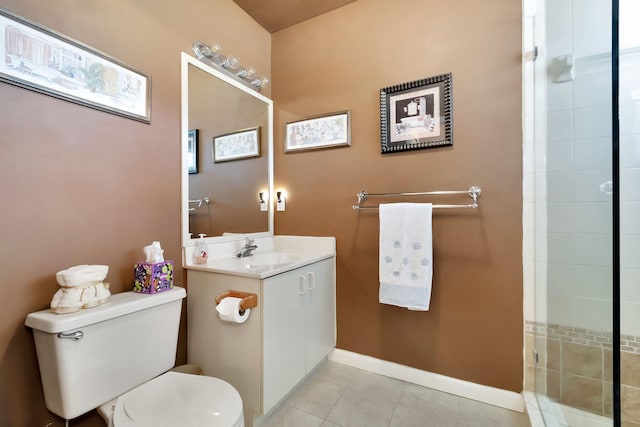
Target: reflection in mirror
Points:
x,y
219,109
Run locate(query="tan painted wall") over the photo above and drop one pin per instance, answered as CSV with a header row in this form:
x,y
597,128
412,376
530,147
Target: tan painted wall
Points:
x,y
82,186
340,61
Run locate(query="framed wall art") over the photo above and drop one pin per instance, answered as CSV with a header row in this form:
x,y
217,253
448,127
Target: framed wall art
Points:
x,y
237,145
39,59
323,131
192,151
416,115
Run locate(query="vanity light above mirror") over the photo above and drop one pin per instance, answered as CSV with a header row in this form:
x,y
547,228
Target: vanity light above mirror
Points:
x,y
218,106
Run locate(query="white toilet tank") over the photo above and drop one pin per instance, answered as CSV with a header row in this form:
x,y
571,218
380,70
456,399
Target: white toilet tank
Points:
x,y
91,356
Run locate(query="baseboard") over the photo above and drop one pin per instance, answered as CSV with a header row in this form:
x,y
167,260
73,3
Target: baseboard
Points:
x,y
481,393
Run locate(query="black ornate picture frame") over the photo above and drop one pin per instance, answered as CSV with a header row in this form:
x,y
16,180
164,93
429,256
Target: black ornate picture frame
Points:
x,y
416,115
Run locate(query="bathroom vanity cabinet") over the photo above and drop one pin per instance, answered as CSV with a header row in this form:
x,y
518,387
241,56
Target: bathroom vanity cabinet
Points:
x,y
290,331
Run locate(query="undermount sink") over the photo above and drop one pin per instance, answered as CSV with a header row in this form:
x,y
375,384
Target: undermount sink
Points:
x,y
271,260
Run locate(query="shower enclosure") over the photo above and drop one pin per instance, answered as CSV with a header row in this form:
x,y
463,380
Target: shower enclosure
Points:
x,y
581,250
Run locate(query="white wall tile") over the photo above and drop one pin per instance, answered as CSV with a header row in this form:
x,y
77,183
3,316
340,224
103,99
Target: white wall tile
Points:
x,y
560,125
560,96
592,122
592,217
559,248
559,217
591,313
630,217
630,184
629,78
529,275
554,186
581,7
630,151
593,281
591,33
528,217
586,186
528,247
630,251
560,279
558,10
540,127
555,157
590,90
559,38
530,306
592,249
541,307
630,318
528,187
559,309
630,284
593,153
629,116
528,152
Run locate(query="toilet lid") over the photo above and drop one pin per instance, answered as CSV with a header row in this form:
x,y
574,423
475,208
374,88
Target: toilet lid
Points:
x,y
176,399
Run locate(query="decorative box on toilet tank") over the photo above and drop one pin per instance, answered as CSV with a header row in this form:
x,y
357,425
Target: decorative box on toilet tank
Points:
x,y
153,277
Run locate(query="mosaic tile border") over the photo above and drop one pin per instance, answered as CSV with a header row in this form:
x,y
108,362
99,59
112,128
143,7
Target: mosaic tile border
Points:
x,y
592,338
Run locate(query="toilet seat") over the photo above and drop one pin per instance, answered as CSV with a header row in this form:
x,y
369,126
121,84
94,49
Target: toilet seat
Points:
x,y
177,399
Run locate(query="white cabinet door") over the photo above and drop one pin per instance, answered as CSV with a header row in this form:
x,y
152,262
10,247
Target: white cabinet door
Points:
x,y
283,335
319,311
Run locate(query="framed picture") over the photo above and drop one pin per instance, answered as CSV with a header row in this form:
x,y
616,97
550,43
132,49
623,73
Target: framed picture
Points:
x,y
39,59
192,151
237,145
323,131
416,115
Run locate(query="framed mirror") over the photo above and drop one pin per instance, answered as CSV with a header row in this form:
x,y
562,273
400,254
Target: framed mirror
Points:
x,y
224,119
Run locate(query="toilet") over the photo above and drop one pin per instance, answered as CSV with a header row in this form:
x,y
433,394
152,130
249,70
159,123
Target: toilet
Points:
x,y
117,358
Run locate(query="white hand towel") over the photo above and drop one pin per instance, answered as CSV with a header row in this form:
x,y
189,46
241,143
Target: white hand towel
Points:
x,y
406,251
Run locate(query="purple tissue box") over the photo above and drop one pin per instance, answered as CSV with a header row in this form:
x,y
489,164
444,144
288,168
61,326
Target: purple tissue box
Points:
x,y
153,277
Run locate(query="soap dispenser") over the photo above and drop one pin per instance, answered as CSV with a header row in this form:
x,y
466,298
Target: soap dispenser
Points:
x,y
202,252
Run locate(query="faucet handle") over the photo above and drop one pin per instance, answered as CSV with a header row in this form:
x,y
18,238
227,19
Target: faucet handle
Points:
x,y
248,241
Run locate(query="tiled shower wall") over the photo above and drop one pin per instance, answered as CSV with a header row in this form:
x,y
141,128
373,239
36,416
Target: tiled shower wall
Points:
x,y
574,368
567,209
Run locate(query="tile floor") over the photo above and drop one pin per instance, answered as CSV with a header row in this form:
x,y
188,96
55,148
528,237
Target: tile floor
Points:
x,y
337,395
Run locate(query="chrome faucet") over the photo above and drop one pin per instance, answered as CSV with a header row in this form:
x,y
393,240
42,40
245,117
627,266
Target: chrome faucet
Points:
x,y
247,248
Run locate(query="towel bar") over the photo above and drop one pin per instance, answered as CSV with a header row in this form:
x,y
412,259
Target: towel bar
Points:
x,y
473,192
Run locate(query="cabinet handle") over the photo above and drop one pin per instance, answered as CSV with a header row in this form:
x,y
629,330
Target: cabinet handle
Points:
x,y
301,285
312,281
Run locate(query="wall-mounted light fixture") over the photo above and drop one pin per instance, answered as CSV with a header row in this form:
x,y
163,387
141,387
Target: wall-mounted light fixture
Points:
x,y
263,197
281,198
229,64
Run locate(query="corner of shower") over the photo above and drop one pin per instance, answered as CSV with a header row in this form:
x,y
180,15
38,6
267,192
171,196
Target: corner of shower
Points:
x,y
571,217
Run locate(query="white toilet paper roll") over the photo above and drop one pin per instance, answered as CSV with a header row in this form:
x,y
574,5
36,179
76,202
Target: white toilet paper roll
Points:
x,y
229,310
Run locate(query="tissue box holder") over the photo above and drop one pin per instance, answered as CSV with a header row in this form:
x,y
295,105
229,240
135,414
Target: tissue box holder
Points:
x,y
153,277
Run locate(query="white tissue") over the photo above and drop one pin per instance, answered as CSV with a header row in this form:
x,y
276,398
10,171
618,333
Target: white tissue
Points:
x,y
154,252
229,310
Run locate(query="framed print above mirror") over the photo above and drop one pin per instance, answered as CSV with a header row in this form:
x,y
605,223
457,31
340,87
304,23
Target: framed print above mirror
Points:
x,y
416,115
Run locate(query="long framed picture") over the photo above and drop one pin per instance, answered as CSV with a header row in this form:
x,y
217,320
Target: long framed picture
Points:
x,y
416,115
192,151
323,131
39,59
237,145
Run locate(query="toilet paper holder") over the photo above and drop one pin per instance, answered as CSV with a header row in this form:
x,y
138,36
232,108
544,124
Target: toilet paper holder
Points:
x,y
249,300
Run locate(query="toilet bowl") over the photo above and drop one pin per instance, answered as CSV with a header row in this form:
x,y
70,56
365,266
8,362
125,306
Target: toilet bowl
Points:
x,y
176,399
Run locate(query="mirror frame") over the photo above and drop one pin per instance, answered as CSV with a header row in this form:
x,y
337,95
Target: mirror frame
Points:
x,y
187,60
